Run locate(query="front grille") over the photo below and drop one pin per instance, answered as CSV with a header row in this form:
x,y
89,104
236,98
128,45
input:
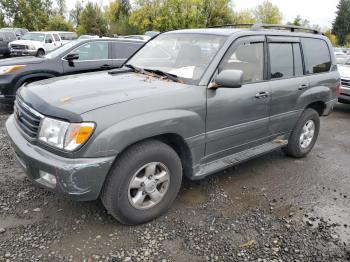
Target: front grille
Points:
x,y
345,82
27,118
19,47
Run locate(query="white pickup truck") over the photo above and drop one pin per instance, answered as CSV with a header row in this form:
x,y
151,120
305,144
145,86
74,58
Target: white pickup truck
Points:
x,y
36,43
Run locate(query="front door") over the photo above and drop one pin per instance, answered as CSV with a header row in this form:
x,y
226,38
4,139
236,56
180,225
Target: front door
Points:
x,y
238,118
49,43
93,56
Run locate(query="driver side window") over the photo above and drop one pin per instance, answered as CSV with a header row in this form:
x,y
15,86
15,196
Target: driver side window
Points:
x,y
92,51
247,57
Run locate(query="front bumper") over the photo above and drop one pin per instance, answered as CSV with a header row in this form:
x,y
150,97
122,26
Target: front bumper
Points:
x,y
19,52
329,107
344,94
80,178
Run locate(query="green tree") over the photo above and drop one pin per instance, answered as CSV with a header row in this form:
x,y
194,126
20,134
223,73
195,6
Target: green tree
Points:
x,y
331,37
244,17
117,14
74,14
92,20
166,15
58,23
61,7
31,14
298,21
341,24
2,20
268,13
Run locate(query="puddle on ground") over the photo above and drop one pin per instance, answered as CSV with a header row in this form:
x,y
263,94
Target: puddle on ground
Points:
x,y
337,215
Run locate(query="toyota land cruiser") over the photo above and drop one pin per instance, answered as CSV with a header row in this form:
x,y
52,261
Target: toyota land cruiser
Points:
x,y
189,103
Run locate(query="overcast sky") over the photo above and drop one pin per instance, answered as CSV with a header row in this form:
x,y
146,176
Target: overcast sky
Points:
x,y
320,12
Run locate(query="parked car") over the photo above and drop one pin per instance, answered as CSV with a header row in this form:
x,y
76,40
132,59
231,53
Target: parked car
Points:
x,y
19,32
344,70
139,37
75,57
36,43
189,103
67,37
5,39
88,37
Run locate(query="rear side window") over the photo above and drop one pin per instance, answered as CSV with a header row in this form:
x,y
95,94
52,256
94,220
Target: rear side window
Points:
x,y
57,38
124,50
317,56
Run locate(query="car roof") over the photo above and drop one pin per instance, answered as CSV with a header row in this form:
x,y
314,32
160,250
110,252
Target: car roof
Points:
x,y
110,39
225,31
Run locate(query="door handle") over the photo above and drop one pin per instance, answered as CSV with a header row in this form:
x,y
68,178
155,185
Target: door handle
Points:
x,y
262,95
303,86
106,67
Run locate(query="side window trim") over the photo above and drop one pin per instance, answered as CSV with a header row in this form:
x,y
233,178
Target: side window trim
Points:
x,y
246,40
81,61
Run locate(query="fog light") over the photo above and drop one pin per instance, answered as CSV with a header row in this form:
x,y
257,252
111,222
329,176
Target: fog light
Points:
x,y
47,179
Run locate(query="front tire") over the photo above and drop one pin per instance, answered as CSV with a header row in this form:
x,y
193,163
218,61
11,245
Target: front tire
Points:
x,y
143,182
304,134
40,53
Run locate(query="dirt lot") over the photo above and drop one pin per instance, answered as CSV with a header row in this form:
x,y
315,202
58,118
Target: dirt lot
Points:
x,y
273,208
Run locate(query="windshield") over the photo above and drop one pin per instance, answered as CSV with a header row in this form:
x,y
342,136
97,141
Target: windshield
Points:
x,y
62,49
184,55
34,37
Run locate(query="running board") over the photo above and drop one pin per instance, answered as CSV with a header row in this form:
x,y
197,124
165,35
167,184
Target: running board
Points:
x,y
223,163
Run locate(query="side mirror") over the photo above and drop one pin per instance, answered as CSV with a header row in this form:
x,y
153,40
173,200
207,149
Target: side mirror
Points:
x,y
228,79
48,41
71,57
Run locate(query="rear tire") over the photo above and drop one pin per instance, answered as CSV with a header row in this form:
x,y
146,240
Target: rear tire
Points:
x,y
304,134
144,165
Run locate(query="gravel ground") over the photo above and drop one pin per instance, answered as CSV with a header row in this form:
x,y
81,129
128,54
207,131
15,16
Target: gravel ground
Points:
x,y
273,208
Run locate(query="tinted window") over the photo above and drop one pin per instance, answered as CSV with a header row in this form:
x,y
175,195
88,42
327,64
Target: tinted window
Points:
x,y
247,57
124,50
92,51
57,38
281,60
317,55
298,61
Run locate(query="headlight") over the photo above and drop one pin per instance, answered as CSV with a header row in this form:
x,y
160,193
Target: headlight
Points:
x,y
31,47
10,69
64,135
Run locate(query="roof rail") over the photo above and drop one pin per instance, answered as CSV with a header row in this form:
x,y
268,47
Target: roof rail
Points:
x,y
260,26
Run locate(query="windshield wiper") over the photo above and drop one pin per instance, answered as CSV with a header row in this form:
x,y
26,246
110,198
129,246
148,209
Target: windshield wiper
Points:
x,y
135,68
170,76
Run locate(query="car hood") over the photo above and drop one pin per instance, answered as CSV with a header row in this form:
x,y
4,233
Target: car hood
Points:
x,y
27,42
344,71
25,60
70,96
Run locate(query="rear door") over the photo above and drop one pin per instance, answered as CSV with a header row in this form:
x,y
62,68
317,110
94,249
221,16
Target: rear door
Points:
x,y
93,56
121,51
287,82
57,39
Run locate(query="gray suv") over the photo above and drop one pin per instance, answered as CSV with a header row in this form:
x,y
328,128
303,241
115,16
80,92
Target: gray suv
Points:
x,y
188,104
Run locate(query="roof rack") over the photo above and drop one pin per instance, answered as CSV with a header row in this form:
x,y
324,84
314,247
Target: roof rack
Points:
x,y
260,26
